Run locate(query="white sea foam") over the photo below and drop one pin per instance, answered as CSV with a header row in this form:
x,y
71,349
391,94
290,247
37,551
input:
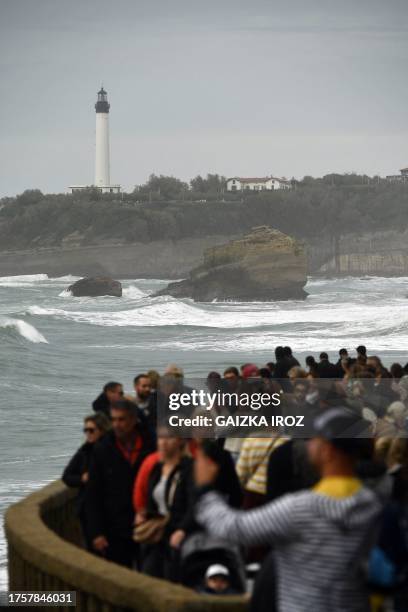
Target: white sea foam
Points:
x,y
3,578
24,329
133,293
25,277
260,342
336,311
65,279
25,280
36,280
128,293
155,281
333,321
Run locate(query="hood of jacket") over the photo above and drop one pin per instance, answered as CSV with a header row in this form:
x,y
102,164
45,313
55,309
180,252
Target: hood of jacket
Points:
x,y
350,512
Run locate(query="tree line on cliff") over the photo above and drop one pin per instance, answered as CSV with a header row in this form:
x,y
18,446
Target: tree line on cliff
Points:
x,y
166,208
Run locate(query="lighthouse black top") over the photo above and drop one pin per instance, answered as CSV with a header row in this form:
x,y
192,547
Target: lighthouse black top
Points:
x,y
102,105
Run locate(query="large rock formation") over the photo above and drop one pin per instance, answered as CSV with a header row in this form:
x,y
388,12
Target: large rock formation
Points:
x,y
263,265
97,286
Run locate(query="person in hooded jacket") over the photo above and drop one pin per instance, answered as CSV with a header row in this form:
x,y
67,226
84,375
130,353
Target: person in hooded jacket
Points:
x,y
112,392
76,473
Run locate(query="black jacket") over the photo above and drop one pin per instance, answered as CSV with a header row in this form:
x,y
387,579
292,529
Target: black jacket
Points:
x,y
280,373
102,404
108,496
77,466
226,483
325,369
282,368
292,362
179,477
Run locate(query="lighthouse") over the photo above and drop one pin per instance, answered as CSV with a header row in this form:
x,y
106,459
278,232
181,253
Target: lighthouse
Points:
x,y
102,163
102,153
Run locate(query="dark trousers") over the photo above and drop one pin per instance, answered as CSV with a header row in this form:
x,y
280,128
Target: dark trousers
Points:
x,y
255,554
87,538
158,560
122,551
264,593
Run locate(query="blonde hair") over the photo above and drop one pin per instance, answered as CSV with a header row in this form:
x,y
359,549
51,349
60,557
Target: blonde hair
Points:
x,y
154,378
297,372
381,448
398,453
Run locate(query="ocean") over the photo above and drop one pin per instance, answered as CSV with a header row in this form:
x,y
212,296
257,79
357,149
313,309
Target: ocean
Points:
x,y
56,352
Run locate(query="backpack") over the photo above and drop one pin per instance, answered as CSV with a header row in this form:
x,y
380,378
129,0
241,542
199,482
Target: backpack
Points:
x,y
388,559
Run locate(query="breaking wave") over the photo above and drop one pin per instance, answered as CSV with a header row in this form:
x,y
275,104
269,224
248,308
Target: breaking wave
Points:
x,y
19,328
294,319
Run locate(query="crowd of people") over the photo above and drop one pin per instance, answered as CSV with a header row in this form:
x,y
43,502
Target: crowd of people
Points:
x,y
324,520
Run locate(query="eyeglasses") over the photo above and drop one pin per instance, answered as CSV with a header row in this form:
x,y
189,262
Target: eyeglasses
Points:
x,y
89,430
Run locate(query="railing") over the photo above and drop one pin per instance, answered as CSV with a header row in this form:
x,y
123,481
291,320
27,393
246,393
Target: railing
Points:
x,y
44,555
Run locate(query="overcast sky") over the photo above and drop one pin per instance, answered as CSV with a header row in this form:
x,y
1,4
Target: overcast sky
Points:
x,y
289,87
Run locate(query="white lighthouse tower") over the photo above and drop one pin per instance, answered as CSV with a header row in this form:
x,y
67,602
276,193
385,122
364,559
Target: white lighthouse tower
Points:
x,y
102,161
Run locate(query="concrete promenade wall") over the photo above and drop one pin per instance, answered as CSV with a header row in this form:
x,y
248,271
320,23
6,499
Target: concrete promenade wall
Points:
x,y
44,555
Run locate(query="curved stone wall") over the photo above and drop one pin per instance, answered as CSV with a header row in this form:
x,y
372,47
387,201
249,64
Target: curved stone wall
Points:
x,y
43,536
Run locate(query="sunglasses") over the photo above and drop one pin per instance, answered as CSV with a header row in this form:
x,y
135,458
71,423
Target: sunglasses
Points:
x,y
89,430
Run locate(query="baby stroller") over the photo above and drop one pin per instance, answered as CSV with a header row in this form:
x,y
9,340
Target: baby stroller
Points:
x,y
200,550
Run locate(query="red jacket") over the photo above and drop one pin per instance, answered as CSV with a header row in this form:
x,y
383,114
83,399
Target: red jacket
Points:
x,y
140,488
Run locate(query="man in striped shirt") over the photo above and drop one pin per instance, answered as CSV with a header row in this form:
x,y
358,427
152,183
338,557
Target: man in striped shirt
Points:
x,y
320,537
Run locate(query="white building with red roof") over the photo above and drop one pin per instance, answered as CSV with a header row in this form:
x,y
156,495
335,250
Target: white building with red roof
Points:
x,y
265,183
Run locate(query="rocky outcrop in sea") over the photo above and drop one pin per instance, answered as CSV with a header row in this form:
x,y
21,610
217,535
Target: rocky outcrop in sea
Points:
x,y
264,265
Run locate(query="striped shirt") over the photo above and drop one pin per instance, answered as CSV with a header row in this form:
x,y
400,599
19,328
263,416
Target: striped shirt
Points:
x,y
252,465
320,543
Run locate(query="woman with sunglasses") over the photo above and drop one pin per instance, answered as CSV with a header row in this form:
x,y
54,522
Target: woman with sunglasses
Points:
x,y
76,472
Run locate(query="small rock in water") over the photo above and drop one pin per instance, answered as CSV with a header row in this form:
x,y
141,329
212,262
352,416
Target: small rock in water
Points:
x,y
96,286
